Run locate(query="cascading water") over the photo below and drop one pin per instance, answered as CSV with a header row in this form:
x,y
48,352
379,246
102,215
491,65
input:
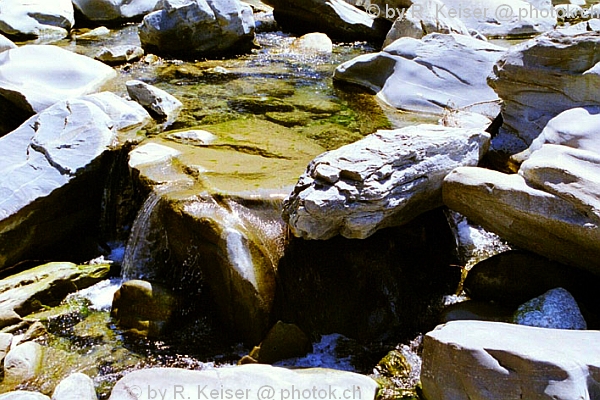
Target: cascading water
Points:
x,y
148,241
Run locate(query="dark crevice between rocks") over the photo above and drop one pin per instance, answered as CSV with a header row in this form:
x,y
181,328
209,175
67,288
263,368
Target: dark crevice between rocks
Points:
x,y
11,116
388,287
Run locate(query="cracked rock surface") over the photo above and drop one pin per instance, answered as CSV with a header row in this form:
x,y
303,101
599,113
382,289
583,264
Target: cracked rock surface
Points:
x,y
383,180
51,178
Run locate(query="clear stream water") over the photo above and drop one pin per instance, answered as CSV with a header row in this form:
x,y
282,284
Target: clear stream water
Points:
x,y
81,335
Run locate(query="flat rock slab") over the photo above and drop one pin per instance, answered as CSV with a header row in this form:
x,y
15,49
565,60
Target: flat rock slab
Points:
x,y
560,228
48,285
438,72
35,77
477,360
383,180
243,382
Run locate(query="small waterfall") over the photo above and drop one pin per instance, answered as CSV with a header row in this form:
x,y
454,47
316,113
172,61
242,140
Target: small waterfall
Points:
x,y
147,240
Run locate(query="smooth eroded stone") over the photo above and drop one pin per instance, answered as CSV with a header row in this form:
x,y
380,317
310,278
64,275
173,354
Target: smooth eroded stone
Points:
x,y
47,285
23,395
23,362
313,43
577,128
468,360
53,74
282,341
144,308
246,380
76,386
433,74
540,78
6,44
529,218
36,18
156,100
119,54
383,180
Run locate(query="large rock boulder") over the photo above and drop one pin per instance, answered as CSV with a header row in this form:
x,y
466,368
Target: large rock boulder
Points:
x,y
34,18
35,77
219,206
422,18
560,227
501,18
543,77
193,28
228,211
114,10
429,75
491,360
47,285
52,173
384,180
337,18
246,381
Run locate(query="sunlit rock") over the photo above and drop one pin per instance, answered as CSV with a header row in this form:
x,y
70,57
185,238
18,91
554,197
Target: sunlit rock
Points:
x,y
23,362
76,386
492,360
502,18
47,285
60,75
52,173
6,44
35,18
542,77
119,54
422,18
438,72
383,180
198,27
245,380
155,100
556,309
337,18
